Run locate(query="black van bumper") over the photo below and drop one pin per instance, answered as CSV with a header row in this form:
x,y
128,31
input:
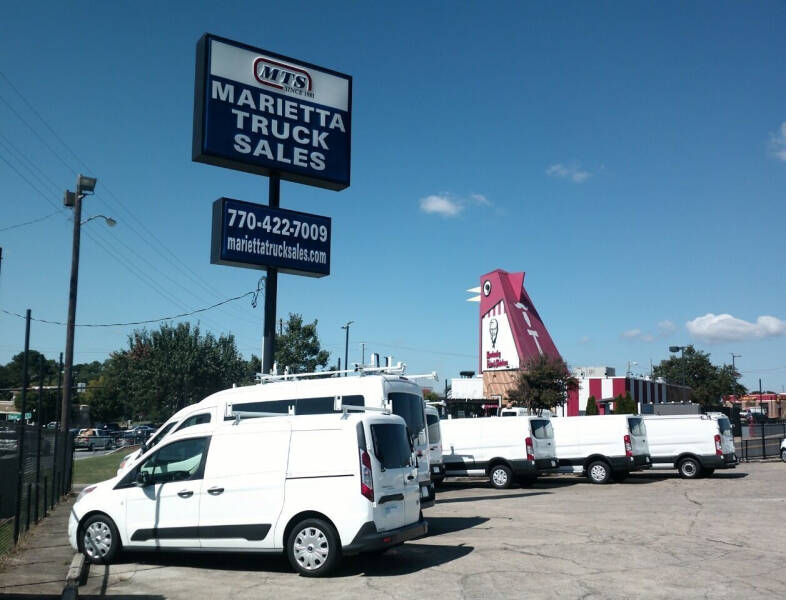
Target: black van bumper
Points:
x,y
524,468
630,463
726,461
369,539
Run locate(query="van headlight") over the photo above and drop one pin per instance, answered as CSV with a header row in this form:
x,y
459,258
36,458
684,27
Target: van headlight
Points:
x,y
85,492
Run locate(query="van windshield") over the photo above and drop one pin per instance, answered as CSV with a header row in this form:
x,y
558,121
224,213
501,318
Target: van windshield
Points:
x,y
410,408
725,426
391,446
161,434
636,426
542,429
434,434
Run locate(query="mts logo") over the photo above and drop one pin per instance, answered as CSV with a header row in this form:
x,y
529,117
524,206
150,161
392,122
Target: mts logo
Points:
x,y
280,75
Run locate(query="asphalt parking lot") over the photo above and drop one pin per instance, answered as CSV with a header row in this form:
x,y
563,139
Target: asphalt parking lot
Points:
x,y
654,536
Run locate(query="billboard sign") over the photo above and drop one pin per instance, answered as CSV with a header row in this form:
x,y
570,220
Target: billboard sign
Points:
x,y
256,236
264,113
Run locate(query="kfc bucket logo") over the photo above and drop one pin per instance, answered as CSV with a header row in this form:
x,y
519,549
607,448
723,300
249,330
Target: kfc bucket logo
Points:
x,y
283,76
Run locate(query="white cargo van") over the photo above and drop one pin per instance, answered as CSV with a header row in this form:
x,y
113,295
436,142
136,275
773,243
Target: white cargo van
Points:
x,y
602,447
434,444
315,487
503,449
303,394
695,445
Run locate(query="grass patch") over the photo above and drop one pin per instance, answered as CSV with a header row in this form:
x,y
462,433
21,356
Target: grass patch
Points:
x,y
6,536
99,468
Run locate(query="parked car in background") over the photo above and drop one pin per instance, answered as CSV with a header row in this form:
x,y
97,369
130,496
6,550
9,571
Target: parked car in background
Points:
x,y
93,439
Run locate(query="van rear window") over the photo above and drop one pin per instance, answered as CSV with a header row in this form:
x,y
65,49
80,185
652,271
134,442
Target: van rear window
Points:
x,y
434,434
542,429
410,408
636,426
391,445
725,426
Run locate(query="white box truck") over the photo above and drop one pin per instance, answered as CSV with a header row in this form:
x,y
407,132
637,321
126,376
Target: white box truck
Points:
x,y
314,487
503,449
602,447
695,445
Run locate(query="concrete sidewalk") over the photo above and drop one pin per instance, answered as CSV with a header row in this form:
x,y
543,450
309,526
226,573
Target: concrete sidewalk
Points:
x,y
38,565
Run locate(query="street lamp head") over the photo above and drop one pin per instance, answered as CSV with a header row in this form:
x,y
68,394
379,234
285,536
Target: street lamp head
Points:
x,y
69,199
110,221
86,184
675,348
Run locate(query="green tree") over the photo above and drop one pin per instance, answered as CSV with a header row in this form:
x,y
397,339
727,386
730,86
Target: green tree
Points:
x,y
542,384
298,347
163,371
707,382
430,396
624,405
592,406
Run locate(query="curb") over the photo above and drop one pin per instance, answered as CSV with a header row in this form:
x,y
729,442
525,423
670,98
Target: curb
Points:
x,y
76,576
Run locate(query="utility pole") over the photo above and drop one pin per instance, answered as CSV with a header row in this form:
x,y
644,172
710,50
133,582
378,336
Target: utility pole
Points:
x,y
271,289
362,353
346,346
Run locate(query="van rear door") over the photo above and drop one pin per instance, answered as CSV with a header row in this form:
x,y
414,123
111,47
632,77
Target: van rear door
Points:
x,y
396,490
638,436
727,438
542,434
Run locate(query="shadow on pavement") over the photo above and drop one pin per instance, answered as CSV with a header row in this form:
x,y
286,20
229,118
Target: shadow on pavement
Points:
x,y
494,497
402,560
442,525
82,597
650,476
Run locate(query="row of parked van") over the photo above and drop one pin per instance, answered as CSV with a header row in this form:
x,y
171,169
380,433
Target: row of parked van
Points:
x,y
325,468
604,448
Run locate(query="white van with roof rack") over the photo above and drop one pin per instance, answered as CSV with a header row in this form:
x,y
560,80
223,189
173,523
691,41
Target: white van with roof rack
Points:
x,y
315,393
434,444
316,487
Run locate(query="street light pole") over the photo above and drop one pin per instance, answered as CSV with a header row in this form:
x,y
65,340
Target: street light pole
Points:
x,y
346,346
84,185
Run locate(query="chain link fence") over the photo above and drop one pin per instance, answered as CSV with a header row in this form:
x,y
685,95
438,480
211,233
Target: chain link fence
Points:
x,y
35,473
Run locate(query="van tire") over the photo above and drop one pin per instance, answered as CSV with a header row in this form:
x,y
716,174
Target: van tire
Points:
x,y
599,472
102,531
783,455
689,468
313,548
500,477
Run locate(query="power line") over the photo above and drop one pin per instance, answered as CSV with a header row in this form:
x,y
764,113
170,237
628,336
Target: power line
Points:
x,y
188,314
30,222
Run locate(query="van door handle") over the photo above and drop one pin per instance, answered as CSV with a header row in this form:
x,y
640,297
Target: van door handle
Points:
x,y
185,493
215,491
410,477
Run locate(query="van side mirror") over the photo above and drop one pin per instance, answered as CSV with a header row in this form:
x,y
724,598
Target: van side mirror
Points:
x,y
143,478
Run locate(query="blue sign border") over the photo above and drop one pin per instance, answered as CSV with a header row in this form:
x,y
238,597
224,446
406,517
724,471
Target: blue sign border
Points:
x,y
202,93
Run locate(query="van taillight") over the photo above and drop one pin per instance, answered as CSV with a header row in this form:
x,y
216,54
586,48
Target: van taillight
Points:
x,y
530,449
628,447
366,479
718,447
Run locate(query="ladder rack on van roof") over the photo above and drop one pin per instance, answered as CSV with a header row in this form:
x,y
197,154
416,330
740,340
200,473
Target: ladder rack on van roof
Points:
x,y
397,369
338,406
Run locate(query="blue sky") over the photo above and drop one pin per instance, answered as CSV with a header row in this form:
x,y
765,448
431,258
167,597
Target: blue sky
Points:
x,y
630,157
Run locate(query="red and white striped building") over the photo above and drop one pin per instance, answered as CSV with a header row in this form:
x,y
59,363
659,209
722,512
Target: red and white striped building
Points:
x,y
605,386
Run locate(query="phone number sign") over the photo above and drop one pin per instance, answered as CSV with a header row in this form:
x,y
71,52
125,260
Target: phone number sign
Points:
x,y
256,236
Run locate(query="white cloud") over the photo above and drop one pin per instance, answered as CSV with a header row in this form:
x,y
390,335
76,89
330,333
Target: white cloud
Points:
x,y
447,205
778,143
631,334
666,327
441,205
726,328
572,172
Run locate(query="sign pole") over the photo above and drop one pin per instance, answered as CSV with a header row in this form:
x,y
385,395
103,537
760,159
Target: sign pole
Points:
x,y
271,290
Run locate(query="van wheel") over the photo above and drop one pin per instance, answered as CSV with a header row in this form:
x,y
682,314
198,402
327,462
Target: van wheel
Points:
x,y
98,539
599,472
689,468
783,455
500,477
313,548
707,472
